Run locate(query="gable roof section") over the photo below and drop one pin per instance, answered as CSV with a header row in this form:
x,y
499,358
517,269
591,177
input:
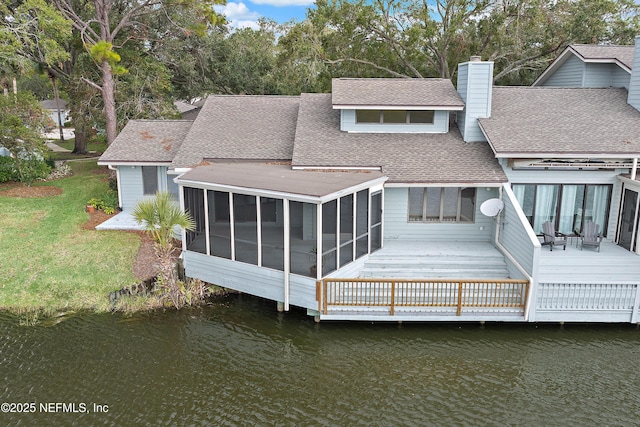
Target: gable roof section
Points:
x,y
562,122
147,141
279,178
241,127
621,55
403,157
436,94
591,53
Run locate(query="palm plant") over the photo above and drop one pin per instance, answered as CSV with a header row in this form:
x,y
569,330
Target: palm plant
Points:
x,y
160,217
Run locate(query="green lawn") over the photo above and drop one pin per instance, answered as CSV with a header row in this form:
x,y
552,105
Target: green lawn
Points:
x,y
92,145
48,262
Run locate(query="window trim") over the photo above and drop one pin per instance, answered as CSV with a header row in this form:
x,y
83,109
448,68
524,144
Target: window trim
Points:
x,y
146,180
430,219
558,207
407,121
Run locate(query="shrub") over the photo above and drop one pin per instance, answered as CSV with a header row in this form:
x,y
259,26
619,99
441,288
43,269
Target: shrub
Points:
x,y
108,202
8,169
96,203
32,169
110,199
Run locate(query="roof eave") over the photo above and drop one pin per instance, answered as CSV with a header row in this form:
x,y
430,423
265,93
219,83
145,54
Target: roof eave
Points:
x,y
562,155
456,107
133,163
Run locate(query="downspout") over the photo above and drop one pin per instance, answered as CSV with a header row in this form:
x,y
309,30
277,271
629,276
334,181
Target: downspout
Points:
x,y
634,168
287,251
113,168
506,253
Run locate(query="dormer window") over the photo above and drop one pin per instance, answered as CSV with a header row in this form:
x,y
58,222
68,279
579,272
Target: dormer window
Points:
x,y
395,116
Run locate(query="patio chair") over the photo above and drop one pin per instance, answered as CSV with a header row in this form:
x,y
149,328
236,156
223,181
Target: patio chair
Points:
x,y
552,237
590,236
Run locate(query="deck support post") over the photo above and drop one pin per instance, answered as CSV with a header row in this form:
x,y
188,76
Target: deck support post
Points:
x,y
280,306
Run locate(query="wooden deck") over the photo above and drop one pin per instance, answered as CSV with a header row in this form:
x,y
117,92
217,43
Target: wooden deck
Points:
x,y
572,285
612,264
435,260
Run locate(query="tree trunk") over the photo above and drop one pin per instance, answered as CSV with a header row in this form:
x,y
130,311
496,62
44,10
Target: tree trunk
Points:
x,y
108,96
80,145
57,98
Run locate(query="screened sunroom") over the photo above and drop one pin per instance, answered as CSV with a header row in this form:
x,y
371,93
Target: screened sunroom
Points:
x,y
309,223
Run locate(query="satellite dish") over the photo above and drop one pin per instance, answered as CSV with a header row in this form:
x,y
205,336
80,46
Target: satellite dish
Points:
x,y
491,207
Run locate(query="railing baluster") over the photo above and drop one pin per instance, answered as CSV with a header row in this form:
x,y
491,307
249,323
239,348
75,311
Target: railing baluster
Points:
x,y
434,293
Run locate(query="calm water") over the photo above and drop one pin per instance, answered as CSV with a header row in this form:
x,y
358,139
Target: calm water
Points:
x,y
239,362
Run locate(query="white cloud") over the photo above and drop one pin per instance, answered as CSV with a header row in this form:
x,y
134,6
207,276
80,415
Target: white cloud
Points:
x,y
238,15
281,3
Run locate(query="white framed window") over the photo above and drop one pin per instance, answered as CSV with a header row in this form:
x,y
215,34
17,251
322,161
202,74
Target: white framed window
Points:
x,y
423,117
149,180
442,204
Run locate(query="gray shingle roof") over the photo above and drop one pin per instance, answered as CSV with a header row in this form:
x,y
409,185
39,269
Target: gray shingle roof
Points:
x,y
556,121
241,127
147,141
396,92
404,158
622,54
279,177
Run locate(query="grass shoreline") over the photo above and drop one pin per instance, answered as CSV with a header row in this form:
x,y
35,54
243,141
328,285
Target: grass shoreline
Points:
x,y
48,263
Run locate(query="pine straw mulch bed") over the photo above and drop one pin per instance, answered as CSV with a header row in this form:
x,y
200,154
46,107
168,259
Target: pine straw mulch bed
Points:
x,y
23,191
144,265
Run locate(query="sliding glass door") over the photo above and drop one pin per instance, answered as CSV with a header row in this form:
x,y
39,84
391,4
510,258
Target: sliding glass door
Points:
x,y
567,206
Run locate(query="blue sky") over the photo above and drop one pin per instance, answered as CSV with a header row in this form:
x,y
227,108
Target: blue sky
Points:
x,y
242,14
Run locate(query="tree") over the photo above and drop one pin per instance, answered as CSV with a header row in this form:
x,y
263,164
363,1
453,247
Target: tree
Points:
x,y
160,217
38,34
107,25
21,122
412,38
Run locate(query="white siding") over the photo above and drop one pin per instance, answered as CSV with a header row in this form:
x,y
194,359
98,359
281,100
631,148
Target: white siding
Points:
x,y
463,72
239,276
515,236
348,124
250,279
569,74
476,93
634,82
598,75
620,78
397,226
130,186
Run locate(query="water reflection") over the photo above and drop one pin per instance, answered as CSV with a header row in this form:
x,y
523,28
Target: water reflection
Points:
x,y
239,362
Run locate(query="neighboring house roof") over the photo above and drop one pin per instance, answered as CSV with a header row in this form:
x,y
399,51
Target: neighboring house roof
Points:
x,y
50,104
187,110
553,121
241,127
147,141
403,157
279,177
183,107
603,54
432,93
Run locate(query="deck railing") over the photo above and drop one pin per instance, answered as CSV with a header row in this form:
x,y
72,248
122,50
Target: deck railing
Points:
x,y
392,293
